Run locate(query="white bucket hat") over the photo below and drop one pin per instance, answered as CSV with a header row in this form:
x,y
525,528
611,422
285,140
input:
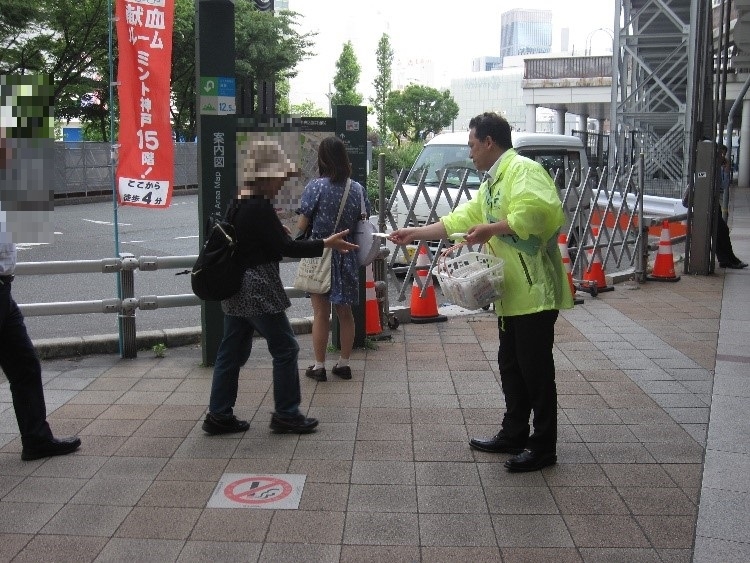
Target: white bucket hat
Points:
x,y
264,159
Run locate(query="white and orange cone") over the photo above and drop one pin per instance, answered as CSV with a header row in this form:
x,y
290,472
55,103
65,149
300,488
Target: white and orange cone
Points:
x,y
594,274
372,311
424,309
664,263
562,244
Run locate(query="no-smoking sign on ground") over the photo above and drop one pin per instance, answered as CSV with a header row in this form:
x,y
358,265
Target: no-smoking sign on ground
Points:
x,y
241,490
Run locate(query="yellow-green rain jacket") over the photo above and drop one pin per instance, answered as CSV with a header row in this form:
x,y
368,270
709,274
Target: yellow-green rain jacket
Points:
x,y
524,194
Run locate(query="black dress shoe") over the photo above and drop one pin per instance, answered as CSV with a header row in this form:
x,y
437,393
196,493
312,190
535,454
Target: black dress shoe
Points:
x,y
530,460
215,424
316,374
498,444
297,424
733,265
52,447
344,372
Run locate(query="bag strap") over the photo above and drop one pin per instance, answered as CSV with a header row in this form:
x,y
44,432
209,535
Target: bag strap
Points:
x,y
231,211
343,202
362,208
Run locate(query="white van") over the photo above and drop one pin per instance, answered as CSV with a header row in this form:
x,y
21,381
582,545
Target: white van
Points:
x,y
448,153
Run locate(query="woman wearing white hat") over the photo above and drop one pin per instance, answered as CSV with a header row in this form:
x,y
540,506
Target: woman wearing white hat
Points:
x,y
260,306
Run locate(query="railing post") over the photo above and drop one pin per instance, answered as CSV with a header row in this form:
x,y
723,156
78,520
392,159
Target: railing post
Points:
x,y
126,318
382,200
642,249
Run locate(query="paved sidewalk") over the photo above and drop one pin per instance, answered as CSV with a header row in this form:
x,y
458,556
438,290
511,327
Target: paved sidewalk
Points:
x,y
645,374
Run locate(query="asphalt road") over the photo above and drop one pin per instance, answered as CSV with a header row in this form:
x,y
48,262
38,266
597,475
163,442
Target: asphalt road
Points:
x,y
86,232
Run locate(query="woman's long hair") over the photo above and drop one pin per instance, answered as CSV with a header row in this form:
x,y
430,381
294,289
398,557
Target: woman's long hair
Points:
x,y
333,160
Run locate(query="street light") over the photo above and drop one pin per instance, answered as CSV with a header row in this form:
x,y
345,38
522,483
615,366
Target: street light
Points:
x,y
587,49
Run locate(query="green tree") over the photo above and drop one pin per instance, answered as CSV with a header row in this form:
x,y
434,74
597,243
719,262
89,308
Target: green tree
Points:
x,y
283,106
383,82
21,37
418,111
268,48
67,39
346,79
395,160
182,107
308,109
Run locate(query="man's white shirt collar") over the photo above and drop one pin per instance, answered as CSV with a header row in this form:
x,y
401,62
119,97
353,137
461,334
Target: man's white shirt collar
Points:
x,y
491,174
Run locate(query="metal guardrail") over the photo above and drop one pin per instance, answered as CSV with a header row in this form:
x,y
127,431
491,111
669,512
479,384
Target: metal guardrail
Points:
x,y
615,206
553,68
125,266
124,306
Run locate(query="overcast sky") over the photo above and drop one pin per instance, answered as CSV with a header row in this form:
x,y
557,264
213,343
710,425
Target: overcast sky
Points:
x,y
449,34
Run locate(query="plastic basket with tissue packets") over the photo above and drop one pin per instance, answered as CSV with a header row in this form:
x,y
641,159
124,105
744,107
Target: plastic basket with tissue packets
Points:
x,y
472,280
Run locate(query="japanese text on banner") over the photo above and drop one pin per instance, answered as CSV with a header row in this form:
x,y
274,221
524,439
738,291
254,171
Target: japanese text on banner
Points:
x,y
145,168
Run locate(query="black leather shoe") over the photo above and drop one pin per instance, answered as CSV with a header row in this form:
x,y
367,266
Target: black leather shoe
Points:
x,y
344,372
316,374
498,444
55,446
529,460
734,265
298,424
224,424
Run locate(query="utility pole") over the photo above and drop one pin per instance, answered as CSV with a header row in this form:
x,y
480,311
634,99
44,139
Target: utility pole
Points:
x,y
266,88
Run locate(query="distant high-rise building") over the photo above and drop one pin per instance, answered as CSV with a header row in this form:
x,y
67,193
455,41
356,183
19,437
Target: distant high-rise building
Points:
x,y
525,32
483,64
412,71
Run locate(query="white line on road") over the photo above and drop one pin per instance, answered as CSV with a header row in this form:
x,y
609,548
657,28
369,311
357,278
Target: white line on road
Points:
x,y
26,245
110,223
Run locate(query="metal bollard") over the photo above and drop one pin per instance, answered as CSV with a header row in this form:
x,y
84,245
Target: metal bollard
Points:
x,y
380,276
126,318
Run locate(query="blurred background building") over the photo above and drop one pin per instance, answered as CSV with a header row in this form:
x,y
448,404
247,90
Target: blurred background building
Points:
x,y
525,32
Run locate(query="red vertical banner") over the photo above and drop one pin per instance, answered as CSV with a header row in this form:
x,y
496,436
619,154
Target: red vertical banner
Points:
x,y
145,167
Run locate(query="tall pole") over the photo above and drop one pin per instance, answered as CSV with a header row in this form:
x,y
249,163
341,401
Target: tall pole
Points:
x,y
113,164
217,133
266,88
615,145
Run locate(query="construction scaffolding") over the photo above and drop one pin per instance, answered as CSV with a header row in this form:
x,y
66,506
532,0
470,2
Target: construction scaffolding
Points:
x,y
664,72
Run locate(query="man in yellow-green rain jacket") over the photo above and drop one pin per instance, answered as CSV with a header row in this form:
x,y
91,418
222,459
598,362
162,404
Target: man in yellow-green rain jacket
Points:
x,y
517,213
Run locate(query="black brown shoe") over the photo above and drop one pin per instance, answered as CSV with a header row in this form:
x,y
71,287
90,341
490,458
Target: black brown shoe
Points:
x,y
344,372
52,447
530,460
316,374
736,264
297,424
497,444
224,424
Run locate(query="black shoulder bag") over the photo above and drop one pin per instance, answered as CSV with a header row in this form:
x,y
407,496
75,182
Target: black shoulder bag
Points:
x,y
217,273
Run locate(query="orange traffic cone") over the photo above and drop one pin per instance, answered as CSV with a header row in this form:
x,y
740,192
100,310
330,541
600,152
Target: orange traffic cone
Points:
x,y
664,263
594,275
562,244
424,309
372,311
